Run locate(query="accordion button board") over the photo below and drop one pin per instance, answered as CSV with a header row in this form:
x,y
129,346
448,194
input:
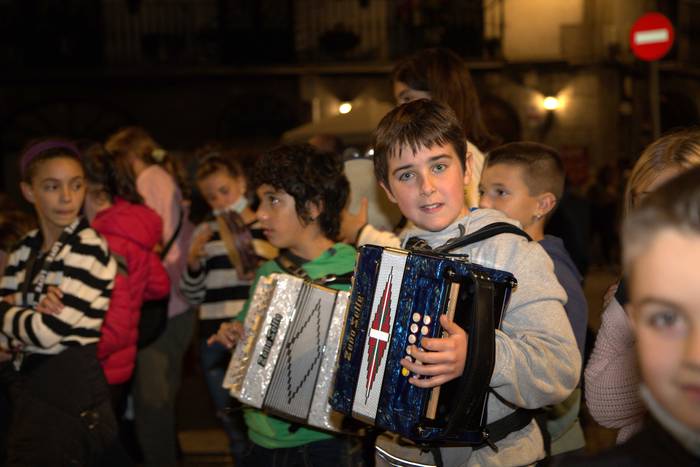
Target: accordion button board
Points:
x,y
397,299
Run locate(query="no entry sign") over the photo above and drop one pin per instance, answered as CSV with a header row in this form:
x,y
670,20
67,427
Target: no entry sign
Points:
x,y
651,37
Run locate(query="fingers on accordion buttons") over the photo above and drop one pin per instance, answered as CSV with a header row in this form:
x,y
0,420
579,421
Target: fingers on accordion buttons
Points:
x,y
416,317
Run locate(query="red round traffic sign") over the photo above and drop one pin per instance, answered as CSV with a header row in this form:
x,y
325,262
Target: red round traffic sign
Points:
x,y
651,37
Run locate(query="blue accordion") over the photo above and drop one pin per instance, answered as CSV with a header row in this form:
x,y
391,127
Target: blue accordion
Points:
x,y
397,299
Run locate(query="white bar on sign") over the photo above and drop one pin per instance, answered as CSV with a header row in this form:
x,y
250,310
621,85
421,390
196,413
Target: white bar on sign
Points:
x,y
651,36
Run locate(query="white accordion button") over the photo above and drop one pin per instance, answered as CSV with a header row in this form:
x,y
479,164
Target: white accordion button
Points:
x,y
424,330
416,317
412,339
426,319
414,328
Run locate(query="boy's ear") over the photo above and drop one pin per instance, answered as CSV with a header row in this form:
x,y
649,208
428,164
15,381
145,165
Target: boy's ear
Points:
x,y
315,208
545,203
388,192
27,192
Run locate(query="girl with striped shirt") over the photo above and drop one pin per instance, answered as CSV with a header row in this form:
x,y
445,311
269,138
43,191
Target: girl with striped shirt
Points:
x,y
61,404
217,278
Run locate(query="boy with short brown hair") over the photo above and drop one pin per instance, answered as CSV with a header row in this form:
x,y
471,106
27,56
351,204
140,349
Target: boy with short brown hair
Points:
x,y
421,163
525,181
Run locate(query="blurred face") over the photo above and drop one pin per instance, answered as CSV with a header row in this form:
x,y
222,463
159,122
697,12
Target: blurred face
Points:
x,y
57,191
665,311
279,220
662,177
404,94
220,189
95,201
502,187
428,186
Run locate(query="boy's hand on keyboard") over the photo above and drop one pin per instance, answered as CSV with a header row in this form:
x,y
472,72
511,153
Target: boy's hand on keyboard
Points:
x,y
441,359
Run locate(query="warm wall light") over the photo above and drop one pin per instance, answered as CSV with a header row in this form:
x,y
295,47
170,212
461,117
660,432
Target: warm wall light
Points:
x,y
551,103
345,107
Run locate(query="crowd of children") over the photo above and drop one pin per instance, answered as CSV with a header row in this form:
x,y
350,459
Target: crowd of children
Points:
x,y
100,302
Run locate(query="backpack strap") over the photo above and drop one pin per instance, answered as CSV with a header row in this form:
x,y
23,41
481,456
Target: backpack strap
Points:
x,y
516,421
483,233
169,245
122,265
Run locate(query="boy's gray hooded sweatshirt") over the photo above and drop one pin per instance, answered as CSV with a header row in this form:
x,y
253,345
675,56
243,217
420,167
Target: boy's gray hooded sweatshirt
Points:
x,y
537,360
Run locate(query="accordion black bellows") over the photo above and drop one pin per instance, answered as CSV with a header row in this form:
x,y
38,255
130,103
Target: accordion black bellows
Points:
x,y
397,299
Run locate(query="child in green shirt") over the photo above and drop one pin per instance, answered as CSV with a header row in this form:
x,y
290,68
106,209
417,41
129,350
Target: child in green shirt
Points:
x,y
302,192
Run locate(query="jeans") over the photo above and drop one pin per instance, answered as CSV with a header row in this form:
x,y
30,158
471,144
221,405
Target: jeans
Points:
x,y
215,360
336,452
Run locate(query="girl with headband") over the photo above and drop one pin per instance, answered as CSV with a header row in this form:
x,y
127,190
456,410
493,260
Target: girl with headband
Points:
x,y
61,404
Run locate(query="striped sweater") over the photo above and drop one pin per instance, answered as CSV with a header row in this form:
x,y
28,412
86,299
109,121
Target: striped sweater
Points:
x,y
216,286
84,271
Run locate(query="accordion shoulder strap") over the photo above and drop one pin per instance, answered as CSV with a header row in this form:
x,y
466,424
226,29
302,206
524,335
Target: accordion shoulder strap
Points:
x,y
483,233
291,267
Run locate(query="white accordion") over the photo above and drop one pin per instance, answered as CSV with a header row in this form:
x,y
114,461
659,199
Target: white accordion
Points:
x,y
285,363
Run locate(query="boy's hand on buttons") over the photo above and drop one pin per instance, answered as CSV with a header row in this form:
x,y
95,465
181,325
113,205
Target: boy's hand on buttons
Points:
x,y
442,359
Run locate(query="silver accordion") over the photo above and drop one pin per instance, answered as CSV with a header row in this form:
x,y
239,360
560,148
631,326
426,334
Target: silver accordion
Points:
x,y
285,362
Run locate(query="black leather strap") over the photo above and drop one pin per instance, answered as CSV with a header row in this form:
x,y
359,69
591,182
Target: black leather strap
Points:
x,y
483,233
499,429
287,265
481,349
